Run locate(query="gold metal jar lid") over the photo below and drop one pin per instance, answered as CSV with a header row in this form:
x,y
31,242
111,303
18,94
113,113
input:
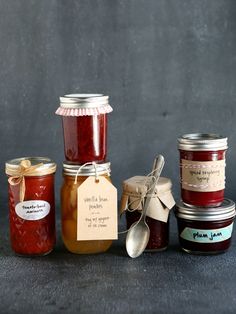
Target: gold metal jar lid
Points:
x,y
202,141
30,166
90,169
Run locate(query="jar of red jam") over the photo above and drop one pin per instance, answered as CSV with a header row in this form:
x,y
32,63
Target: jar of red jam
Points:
x,y
84,119
135,190
202,169
31,205
204,231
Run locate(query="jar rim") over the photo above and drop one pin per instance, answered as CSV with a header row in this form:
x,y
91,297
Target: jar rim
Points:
x,y
202,141
72,169
74,101
13,166
225,211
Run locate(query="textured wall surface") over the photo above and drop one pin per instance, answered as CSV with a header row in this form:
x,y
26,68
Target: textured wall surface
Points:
x,y
169,67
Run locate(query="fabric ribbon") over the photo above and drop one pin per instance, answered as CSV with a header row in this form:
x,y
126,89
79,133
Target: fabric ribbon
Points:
x,y
18,175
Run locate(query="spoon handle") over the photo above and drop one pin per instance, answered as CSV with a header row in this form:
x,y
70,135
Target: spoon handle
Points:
x,y
157,169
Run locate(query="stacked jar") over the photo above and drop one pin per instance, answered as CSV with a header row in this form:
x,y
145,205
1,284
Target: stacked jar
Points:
x,y
84,120
205,218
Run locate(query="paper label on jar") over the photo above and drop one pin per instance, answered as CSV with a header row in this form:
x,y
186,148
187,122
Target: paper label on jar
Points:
x,y
203,176
32,210
207,236
96,210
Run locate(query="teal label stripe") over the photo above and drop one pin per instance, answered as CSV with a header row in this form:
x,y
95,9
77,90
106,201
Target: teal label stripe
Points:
x,y
207,236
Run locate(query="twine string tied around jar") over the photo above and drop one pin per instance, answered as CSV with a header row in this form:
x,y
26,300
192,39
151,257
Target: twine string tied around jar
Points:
x,y
95,169
150,175
17,176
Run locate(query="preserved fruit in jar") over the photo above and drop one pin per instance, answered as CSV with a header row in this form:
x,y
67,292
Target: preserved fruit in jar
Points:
x,y
84,120
204,231
69,209
202,169
31,205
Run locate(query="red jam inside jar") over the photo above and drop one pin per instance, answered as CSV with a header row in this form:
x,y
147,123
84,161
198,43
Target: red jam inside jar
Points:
x,y
205,232
32,220
159,231
202,158
135,190
84,120
85,138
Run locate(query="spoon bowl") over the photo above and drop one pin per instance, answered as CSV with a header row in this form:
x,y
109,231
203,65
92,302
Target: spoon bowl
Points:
x,y
137,239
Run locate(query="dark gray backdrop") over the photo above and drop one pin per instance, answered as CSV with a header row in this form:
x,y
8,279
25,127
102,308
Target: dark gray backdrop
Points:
x,y
169,67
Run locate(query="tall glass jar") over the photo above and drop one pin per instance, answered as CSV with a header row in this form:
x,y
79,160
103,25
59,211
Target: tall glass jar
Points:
x,y
202,169
69,208
32,205
84,119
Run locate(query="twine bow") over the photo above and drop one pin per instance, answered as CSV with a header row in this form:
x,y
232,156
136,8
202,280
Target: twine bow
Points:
x,y
18,177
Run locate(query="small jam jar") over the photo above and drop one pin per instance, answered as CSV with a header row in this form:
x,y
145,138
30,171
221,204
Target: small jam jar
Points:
x,y
32,205
202,169
204,231
84,119
69,207
132,202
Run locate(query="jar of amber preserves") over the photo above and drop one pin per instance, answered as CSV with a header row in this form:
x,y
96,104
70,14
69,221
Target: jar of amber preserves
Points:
x,y
204,231
133,198
202,169
32,205
84,119
74,176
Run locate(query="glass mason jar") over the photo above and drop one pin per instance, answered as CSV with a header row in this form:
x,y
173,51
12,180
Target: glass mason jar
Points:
x,y
84,120
159,231
204,231
69,207
202,169
31,205
132,203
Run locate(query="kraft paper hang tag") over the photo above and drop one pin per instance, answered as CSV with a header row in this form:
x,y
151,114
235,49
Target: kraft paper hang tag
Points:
x,y
97,210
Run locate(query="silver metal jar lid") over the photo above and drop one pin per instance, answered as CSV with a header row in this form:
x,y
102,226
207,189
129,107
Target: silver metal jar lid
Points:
x,y
201,141
74,101
225,211
71,169
45,165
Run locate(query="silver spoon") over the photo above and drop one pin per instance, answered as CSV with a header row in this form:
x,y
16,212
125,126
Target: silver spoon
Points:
x,y
138,235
